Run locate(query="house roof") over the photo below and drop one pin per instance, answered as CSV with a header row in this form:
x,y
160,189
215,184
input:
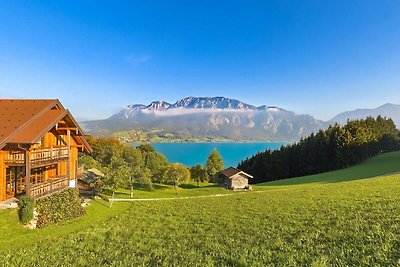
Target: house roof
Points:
x,y
27,120
230,172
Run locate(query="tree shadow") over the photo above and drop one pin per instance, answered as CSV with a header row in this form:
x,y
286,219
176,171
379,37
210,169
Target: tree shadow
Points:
x,y
188,186
194,186
337,176
100,202
160,186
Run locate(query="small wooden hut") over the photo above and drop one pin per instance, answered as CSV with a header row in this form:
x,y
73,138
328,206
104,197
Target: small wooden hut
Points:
x,y
235,179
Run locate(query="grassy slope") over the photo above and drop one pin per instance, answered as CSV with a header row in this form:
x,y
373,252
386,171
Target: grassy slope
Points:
x,y
13,235
379,165
338,222
382,164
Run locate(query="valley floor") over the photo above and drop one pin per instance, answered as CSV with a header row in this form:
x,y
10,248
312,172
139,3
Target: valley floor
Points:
x,y
347,219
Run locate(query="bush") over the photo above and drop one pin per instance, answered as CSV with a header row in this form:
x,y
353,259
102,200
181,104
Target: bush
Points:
x,y
59,207
26,206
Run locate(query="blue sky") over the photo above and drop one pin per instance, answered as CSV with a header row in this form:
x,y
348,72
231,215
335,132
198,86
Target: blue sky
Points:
x,y
316,57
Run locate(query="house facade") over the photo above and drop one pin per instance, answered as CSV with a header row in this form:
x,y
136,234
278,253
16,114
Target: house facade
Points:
x,y
235,179
39,146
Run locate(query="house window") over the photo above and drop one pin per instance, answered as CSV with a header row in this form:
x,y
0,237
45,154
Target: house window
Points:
x,y
15,180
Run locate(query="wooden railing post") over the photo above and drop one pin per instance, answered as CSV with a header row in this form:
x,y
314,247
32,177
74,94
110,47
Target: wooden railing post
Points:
x,y
27,173
69,154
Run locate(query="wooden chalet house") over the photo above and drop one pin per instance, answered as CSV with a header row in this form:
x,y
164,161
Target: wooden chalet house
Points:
x,y
235,179
39,144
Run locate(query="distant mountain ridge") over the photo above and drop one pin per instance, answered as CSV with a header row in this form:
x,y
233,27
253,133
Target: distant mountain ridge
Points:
x,y
224,118
387,110
191,102
210,117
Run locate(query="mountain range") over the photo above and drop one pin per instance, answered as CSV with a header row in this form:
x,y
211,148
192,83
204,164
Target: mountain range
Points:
x,y
222,118
386,110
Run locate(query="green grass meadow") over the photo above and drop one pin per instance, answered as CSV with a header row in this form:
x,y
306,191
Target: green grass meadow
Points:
x,y
341,218
168,191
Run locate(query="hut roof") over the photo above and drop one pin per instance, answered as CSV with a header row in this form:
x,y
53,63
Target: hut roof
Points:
x,y
230,172
91,176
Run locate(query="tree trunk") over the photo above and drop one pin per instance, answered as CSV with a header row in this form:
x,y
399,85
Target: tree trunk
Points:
x,y
176,188
112,199
131,190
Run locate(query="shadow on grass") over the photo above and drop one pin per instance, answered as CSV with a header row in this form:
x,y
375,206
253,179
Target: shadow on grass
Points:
x,y
194,186
189,186
143,187
101,202
136,187
109,192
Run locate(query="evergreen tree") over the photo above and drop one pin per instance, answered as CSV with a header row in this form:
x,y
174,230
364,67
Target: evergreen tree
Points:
x,y
336,147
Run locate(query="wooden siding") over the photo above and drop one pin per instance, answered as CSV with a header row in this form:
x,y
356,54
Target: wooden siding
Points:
x,y
50,169
236,181
2,176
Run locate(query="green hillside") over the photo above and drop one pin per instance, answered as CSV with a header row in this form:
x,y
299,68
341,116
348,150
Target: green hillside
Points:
x,y
322,220
378,165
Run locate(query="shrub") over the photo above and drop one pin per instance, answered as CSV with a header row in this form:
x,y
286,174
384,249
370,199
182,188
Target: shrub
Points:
x,y
59,207
26,206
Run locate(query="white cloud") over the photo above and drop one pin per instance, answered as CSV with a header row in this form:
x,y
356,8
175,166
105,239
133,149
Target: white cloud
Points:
x,y
135,60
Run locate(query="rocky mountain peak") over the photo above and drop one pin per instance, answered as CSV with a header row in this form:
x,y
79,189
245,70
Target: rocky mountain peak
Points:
x,y
158,105
218,102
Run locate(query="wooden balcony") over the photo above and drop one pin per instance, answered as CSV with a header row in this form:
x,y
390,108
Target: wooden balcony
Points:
x,y
54,184
38,157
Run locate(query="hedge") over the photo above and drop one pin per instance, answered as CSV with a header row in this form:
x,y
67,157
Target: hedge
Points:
x,y
59,207
26,206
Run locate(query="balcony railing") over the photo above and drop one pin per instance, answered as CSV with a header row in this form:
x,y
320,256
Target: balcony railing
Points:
x,y
38,156
54,184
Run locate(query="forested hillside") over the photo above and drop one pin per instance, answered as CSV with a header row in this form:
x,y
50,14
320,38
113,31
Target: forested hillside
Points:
x,y
335,148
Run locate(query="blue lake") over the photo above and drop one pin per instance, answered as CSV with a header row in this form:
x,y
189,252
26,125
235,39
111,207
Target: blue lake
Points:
x,y
191,154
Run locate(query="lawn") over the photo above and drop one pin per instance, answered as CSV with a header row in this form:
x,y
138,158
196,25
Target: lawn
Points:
x,y
168,191
14,236
344,221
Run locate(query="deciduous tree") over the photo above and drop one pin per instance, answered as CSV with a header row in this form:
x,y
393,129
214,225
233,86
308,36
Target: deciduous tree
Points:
x,y
214,164
198,174
176,174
